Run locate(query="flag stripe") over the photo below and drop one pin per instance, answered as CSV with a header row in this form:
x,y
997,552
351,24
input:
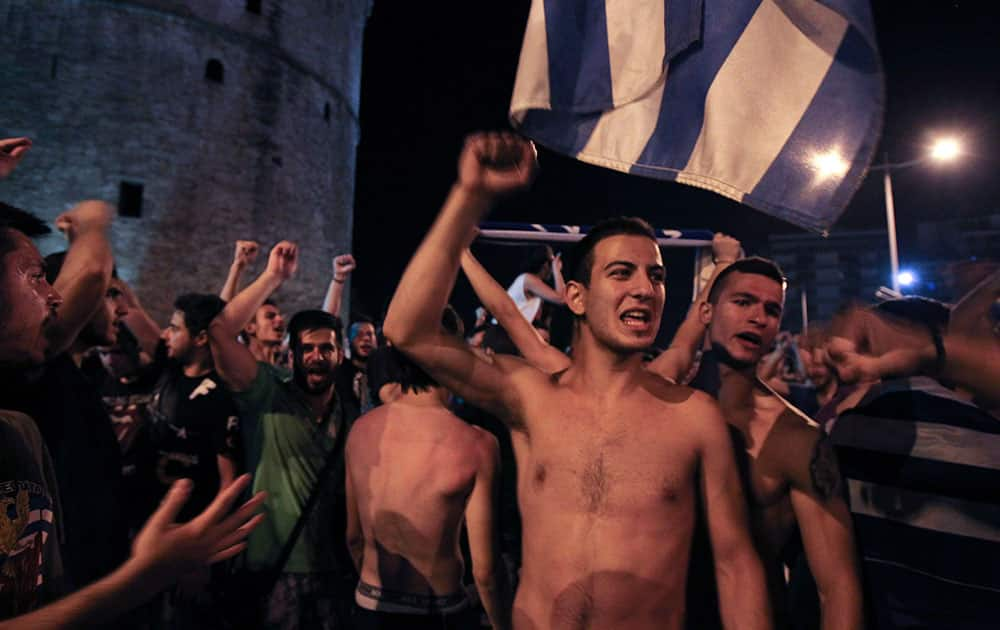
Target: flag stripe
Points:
x,y
579,76
633,48
749,103
531,86
679,122
928,440
855,132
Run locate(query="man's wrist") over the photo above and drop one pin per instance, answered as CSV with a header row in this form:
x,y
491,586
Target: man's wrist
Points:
x,y
340,280
471,195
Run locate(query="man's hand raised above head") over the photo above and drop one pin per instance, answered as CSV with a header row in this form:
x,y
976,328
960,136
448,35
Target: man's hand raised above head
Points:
x,y
11,152
496,163
83,217
343,265
725,248
283,261
246,253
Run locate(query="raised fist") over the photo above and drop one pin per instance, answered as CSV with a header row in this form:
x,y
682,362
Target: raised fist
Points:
x,y
246,253
86,215
11,152
496,163
725,248
343,265
284,260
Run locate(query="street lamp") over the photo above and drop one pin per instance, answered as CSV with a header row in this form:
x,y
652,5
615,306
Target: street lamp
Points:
x,y
943,150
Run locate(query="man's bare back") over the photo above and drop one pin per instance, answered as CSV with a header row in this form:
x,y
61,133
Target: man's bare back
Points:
x,y
412,470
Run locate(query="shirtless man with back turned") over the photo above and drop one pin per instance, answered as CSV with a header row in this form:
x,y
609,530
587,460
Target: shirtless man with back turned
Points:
x,y
414,470
610,456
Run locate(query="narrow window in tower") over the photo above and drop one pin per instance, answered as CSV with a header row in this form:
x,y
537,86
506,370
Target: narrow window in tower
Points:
x,y
214,71
326,112
253,6
130,199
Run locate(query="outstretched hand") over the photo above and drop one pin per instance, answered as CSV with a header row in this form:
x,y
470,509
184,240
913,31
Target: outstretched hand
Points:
x,y
496,163
11,152
284,260
165,549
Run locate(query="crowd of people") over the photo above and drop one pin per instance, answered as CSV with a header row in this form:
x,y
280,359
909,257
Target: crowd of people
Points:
x,y
411,472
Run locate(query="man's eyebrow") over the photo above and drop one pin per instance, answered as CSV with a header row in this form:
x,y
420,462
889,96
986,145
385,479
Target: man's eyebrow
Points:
x,y
629,264
744,294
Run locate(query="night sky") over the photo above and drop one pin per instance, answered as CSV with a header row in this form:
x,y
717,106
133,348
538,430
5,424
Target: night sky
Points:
x,y
433,72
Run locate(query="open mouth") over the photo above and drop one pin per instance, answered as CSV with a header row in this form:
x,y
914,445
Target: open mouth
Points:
x,y
750,338
636,318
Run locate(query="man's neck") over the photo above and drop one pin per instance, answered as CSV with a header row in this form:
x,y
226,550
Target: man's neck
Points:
x,y
603,369
321,403
265,352
77,352
199,365
736,392
359,363
435,397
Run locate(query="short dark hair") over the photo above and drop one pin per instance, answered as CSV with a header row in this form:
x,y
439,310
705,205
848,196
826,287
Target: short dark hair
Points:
x,y
536,259
581,257
199,309
754,265
313,319
918,310
388,365
16,220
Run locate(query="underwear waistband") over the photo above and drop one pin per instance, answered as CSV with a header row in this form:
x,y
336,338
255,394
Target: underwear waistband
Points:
x,y
380,599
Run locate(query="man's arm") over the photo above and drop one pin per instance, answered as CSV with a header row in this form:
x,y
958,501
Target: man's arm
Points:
x,y
825,523
162,552
343,265
490,165
355,534
488,569
743,600
143,326
675,362
522,333
86,272
233,360
534,285
246,253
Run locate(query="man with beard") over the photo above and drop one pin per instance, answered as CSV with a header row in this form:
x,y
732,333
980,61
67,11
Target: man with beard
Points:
x,y
293,429
31,518
611,457
790,473
352,376
74,423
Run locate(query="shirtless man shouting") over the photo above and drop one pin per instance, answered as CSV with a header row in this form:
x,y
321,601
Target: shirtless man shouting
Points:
x,y
792,473
610,456
414,470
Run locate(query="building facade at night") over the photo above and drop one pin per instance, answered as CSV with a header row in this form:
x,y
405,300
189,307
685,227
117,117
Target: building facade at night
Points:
x,y
202,121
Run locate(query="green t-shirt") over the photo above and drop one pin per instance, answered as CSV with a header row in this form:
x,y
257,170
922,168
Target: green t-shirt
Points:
x,y
286,450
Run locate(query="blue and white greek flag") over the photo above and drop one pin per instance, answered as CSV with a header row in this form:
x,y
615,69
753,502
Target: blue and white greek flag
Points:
x,y
774,103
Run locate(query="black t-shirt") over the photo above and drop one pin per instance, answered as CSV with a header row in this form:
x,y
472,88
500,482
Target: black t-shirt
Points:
x,y
70,415
192,421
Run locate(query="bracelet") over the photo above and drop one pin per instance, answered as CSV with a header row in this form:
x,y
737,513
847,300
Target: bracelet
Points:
x,y
338,281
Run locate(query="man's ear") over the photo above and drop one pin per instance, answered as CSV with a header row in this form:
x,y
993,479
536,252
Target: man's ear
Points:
x,y
201,339
251,328
576,295
705,312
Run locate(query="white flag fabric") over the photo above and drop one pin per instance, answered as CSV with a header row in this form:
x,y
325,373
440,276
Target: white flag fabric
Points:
x,y
777,104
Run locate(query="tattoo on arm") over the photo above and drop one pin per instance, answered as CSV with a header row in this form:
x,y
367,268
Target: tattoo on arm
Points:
x,y
823,471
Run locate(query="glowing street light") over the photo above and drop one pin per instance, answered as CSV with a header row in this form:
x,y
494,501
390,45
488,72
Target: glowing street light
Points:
x,y
906,278
946,149
943,150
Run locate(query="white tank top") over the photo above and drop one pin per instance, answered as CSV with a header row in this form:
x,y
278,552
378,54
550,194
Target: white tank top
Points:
x,y
528,306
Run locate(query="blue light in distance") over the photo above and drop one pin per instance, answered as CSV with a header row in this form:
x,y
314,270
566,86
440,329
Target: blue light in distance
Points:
x,y
906,278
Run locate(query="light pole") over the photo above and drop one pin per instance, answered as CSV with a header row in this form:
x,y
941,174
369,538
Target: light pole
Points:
x,y
943,150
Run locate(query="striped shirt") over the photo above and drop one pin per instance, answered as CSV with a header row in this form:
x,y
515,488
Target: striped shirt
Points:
x,y
923,476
